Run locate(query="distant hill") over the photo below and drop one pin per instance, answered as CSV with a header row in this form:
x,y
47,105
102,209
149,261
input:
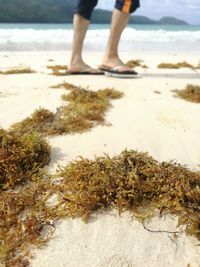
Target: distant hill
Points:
x,y
173,21
142,20
61,11
36,11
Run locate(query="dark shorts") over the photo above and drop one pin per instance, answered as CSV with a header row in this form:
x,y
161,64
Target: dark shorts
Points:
x,y
85,7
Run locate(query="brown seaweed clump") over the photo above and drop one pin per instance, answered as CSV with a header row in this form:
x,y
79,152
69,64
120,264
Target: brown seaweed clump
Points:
x,y
58,70
178,65
136,63
23,219
17,71
40,121
131,181
86,109
23,188
191,93
21,157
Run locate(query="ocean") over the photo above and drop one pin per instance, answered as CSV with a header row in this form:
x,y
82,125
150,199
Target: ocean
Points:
x,y
58,37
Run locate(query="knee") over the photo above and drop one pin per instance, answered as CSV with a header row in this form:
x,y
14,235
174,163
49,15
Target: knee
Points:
x,y
85,8
127,6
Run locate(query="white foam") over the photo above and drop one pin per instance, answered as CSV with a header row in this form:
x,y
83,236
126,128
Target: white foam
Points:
x,y
60,39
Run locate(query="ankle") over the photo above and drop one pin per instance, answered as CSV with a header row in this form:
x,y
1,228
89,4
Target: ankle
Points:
x,y
76,60
112,60
111,56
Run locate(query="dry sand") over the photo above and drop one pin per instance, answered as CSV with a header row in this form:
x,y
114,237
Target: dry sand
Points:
x,y
166,127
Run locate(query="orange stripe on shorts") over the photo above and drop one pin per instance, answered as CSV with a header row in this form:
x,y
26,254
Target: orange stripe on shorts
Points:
x,y
126,6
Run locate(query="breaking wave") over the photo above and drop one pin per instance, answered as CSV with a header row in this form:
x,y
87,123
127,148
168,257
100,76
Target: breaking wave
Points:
x,y
29,39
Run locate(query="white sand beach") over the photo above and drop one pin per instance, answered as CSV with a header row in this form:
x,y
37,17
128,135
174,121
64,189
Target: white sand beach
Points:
x,y
166,127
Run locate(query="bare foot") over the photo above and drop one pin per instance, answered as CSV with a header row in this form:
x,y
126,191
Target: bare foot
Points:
x,y
81,66
114,62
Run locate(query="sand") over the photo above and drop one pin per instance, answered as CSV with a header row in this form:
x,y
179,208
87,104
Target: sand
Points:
x,y
166,127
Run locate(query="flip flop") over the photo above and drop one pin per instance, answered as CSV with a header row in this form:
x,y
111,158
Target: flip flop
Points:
x,y
89,71
118,72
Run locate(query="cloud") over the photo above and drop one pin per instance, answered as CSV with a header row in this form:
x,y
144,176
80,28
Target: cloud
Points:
x,y
183,9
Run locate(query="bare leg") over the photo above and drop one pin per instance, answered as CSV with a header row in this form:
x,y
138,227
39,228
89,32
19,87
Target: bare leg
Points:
x,y
119,22
80,25
80,28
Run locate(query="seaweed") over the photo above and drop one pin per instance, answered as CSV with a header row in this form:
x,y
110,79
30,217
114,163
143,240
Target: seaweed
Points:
x,y
22,190
65,85
136,63
178,65
39,122
85,110
23,218
21,156
17,71
157,92
58,70
131,181
191,93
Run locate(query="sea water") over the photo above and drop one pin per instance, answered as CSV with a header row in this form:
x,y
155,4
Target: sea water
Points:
x,y
58,37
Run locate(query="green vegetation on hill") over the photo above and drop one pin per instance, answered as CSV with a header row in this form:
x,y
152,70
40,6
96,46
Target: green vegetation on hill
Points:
x,y
36,11
142,20
172,21
60,11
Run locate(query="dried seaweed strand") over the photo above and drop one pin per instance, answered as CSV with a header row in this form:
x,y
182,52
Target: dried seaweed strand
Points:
x,y
159,231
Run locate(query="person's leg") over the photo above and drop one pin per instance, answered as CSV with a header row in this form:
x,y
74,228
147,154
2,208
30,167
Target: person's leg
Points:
x,y
81,22
80,26
119,21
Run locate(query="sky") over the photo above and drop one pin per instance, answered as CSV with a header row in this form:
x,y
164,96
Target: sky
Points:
x,y
188,10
